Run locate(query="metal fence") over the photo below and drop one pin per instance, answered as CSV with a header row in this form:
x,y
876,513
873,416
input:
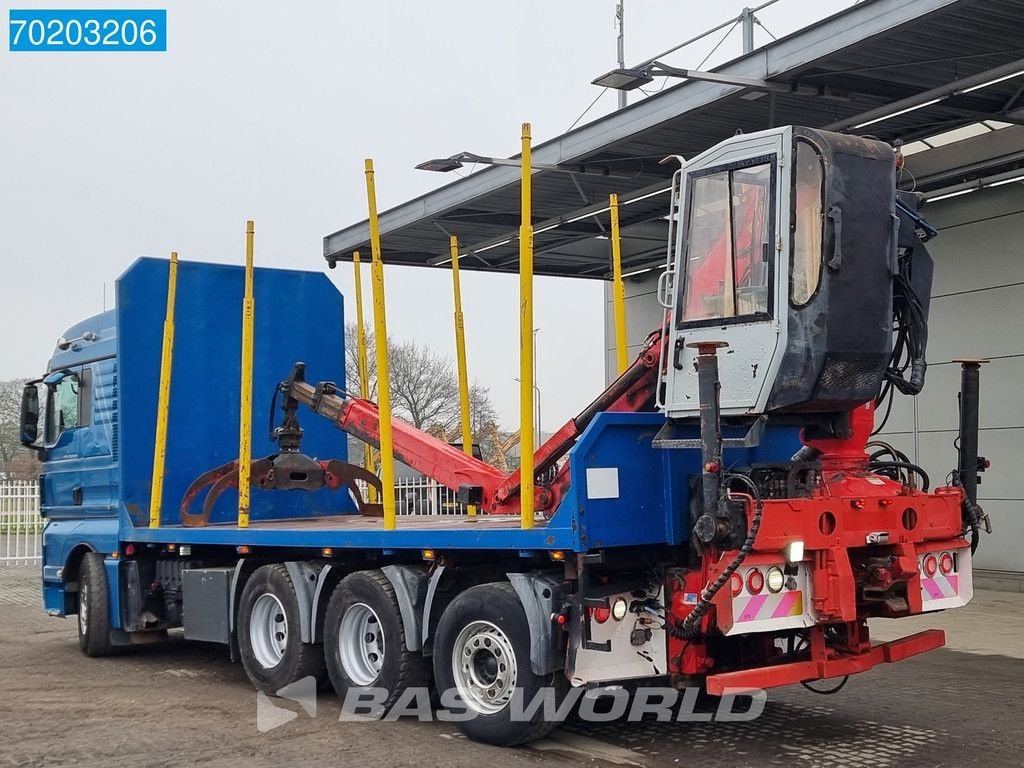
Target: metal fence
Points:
x,y
423,496
21,527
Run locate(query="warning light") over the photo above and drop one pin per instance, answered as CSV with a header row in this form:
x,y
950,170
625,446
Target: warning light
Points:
x,y
243,549
755,581
946,563
931,565
736,582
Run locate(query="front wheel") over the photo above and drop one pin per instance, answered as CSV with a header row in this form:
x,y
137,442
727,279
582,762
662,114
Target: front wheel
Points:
x,y
482,652
93,607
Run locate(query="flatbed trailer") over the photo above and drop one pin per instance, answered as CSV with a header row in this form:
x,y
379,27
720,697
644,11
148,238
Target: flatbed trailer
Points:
x,y
731,544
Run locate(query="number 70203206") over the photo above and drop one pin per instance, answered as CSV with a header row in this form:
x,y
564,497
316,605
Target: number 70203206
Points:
x,y
87,30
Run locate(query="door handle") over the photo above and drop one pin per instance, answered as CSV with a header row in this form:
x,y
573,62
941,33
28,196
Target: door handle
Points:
x,y
677,353
836,214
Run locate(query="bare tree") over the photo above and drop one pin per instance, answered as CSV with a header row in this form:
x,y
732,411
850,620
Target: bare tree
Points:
x,y
352,361
423,387
424,390
16,461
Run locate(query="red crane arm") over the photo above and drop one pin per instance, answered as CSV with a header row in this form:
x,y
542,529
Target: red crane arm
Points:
x,y
494,491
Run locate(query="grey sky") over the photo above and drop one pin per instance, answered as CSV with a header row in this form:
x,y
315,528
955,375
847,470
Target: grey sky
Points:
x,y
265,110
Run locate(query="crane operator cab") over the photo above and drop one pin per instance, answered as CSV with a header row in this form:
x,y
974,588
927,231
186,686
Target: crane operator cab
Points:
x,y
787,245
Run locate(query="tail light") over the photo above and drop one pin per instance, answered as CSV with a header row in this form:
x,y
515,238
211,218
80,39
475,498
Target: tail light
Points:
x,y
755,581
946,563
602,614
931,565
736,582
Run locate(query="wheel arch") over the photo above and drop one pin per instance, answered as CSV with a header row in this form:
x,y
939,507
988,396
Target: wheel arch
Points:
x,y
70,574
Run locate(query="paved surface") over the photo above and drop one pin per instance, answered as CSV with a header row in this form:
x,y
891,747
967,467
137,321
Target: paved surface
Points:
x,y
184,703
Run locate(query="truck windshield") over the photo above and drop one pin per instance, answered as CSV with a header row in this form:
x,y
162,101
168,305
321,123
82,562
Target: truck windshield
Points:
x,y
728,240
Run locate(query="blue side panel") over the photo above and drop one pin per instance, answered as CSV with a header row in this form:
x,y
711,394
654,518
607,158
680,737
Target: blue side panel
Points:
x,y
637,510
298,317
636,494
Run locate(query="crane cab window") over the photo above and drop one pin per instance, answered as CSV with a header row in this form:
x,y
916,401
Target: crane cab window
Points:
x,y
728,242
805,267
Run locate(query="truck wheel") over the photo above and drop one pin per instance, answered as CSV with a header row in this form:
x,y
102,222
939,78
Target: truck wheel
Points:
x,y
364,639
482,650
93,607
269,634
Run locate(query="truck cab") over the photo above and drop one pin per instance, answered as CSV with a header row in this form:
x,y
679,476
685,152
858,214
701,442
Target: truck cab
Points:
x,y
70,417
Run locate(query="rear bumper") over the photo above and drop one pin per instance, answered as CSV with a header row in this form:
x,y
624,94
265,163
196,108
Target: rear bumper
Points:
x,y
760,678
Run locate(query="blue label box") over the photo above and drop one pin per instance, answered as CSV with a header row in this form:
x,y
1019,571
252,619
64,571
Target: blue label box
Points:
x,y
53,30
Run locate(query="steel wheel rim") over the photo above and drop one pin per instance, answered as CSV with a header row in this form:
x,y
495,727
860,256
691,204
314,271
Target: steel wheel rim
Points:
x,y
484,667
83,608
361,644
268,630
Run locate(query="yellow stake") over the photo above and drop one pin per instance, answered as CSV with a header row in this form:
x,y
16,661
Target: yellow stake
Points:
x,y
618,287
526,340
460,354
156,493
364,366
245,415
380,331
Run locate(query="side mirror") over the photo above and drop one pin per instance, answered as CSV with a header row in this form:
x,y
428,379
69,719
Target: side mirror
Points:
x,y
29,428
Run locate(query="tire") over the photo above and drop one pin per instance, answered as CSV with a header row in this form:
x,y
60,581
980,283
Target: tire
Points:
x,y
484,636
363,604
93,607
269,636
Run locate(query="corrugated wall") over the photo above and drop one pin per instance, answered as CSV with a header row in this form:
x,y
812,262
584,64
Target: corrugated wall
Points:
x,y
977,311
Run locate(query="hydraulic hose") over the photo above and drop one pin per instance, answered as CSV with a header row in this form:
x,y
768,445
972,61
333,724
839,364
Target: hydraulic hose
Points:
x,y
689,627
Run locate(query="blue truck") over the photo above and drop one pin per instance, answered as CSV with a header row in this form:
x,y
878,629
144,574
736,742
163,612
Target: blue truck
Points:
x,y
739,545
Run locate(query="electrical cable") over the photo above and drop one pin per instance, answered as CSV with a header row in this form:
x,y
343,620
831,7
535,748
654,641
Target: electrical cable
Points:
x,y
689,628
879,467
584,113
828,692
911,326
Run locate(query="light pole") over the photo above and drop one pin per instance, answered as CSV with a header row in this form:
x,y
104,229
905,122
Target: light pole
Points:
x,y
537,439
628,78
620,18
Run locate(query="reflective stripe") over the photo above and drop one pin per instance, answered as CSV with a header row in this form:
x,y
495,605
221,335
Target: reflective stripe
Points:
x,y
760,607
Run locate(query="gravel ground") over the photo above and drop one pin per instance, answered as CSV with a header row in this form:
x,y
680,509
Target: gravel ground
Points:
x,y
184,703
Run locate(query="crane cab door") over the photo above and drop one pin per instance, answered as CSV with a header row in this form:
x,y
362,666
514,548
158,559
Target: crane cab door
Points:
x,y
729,273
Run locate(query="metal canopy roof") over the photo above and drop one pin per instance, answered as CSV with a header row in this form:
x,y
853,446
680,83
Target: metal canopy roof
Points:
x,y
932,61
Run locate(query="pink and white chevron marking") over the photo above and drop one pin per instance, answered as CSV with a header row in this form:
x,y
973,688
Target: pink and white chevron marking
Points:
x,y
769,606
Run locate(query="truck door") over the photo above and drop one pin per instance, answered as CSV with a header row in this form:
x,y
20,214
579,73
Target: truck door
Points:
x,y
731,248
68,410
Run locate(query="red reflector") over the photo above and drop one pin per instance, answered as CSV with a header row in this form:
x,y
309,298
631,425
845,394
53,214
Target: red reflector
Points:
x,y
755,581
737,584
931,565
601,615
946,563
